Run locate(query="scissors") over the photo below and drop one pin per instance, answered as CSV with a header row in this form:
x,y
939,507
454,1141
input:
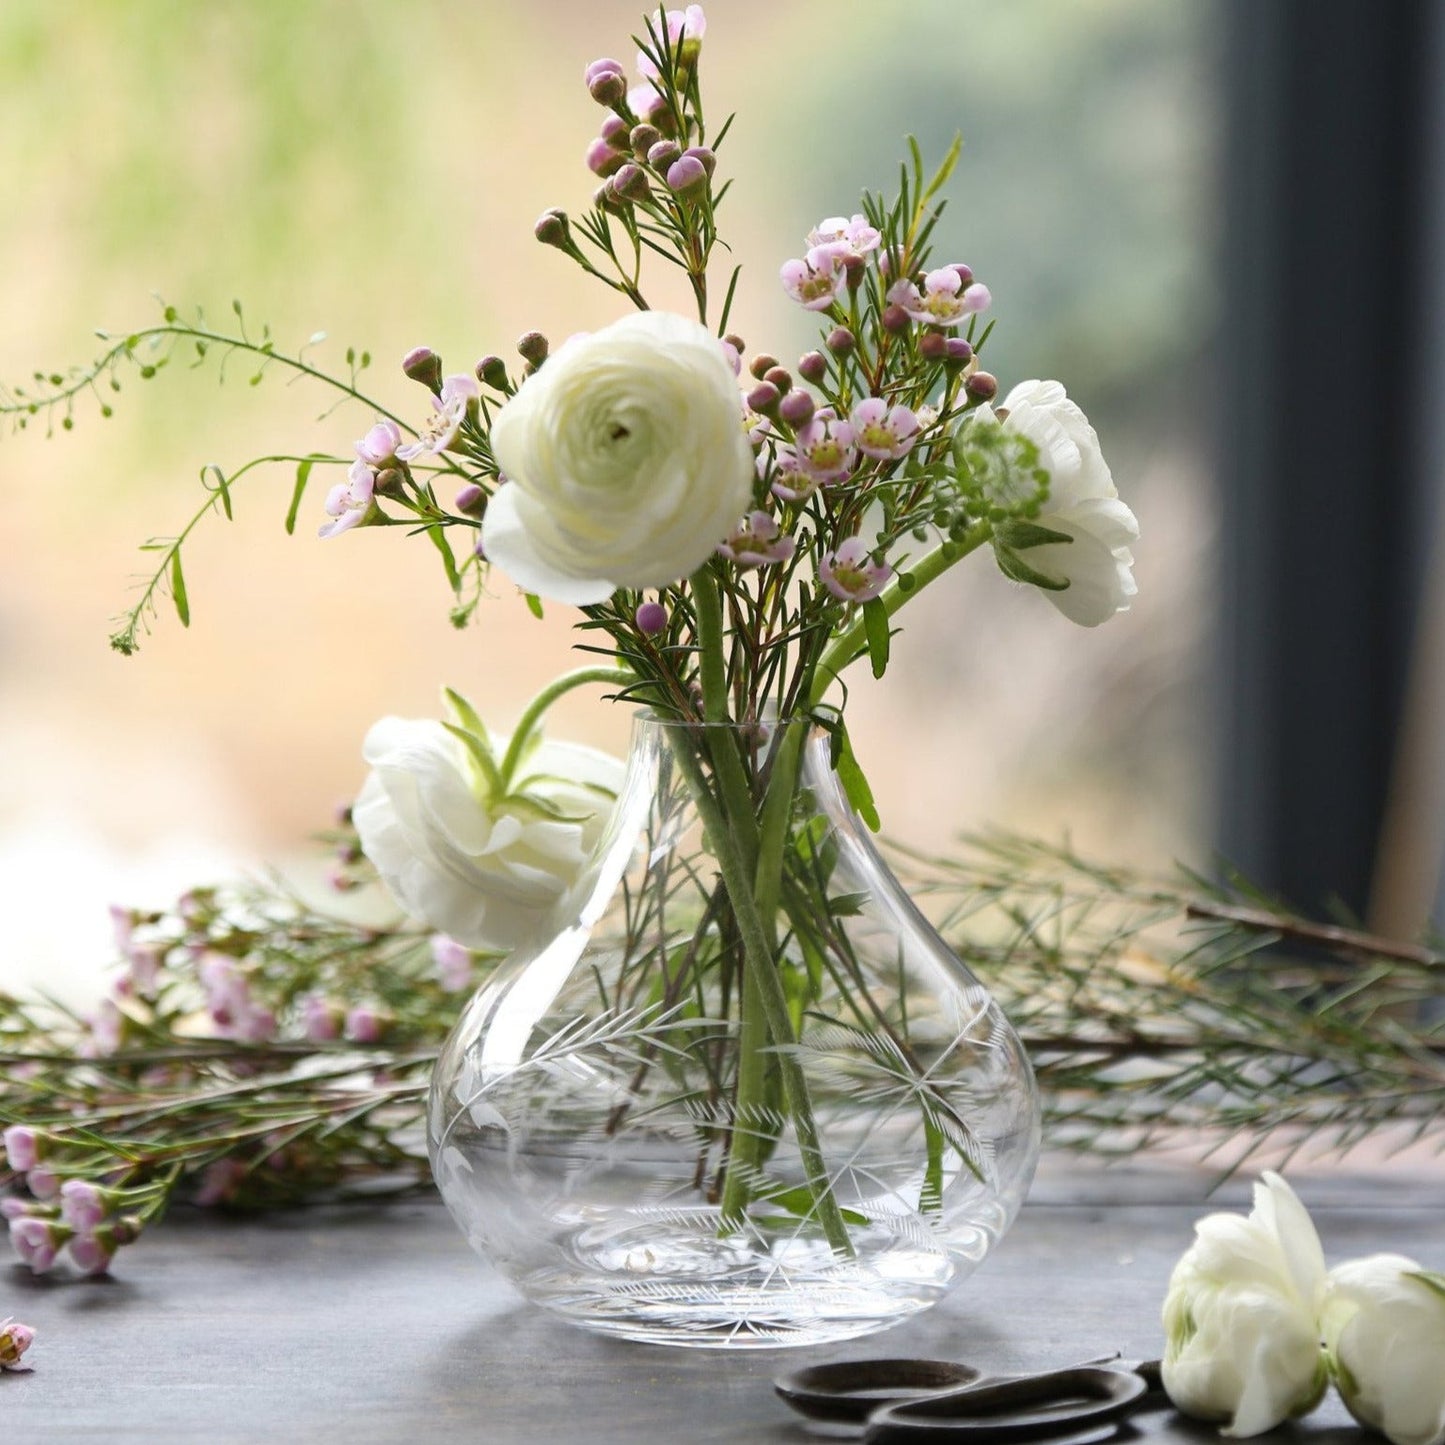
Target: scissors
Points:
x,y
912,1402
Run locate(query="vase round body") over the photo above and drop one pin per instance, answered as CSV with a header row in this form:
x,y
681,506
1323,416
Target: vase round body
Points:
x,y
737,1091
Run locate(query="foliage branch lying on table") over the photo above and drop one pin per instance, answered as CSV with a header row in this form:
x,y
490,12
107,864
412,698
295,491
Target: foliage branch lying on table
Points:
x,y
1157,1011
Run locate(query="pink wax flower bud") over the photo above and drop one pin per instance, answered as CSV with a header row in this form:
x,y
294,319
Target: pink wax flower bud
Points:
x,y
470,499
15,1339
965,273
733,355
127,1229
320,1018
38,1241
651,619
364,1024
763,398
22,1148
632,183
83,1205
144,960
762,364
895,319
532,346
662,153
796,408
603,159
255,1026
603,65
551,228
609,88
493,371
220,1182
958,351
840,341
616,132
92,1253
686,174
933,346
982,385
453,962
43,1183
422,364
642,139
704,156
13,1207
780,377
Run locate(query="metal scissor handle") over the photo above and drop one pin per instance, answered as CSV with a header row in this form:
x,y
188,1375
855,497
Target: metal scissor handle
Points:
x,y
853,1389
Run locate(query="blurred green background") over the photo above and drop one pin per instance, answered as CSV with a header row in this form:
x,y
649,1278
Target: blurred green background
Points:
x,y
374,170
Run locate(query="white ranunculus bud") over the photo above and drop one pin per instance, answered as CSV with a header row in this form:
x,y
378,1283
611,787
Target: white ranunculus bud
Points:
x,y
1082,503
1241,1317
1384,1328
626,462
485,869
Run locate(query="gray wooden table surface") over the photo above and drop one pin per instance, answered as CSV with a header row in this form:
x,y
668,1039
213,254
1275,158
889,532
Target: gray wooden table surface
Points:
x,y
363,1324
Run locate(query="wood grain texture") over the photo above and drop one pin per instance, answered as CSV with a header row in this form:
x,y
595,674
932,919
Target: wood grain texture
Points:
x,y
378,1324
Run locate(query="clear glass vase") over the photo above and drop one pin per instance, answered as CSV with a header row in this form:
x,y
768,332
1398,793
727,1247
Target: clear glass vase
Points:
x,y
737,1092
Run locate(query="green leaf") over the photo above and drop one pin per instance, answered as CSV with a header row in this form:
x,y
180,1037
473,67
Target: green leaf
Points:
x,y
875,625
1014,566
855,785
1021,535
467,715
1430,1279
303,475
439,541
222,486
534,605
178,589
800,1203
478,752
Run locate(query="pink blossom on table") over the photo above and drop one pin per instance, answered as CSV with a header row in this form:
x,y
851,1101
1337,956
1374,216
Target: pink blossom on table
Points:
x,y
106,1029
92,1253
233,1010
255,1026
883,431
15,1339
22,1148
450,407
453,962
815,281
320,1018
364,1024
37,1241
220,1181
12,1206
682,26
854,232
43,1183
825,447
379,445
83,1205
850,573
755,542
943,300
348,502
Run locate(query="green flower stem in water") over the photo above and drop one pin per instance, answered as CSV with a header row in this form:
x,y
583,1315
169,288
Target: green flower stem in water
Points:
x,y
730,823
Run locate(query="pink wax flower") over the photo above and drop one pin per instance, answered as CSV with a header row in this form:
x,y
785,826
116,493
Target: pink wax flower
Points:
x,y
320,1018
883,431
13,1207
646,102
685,29
944,299
22,1148
43,1183
379,445
106,1030
686,174
825,447
755,542
92,1253
122,922
854,232
450,408
348,502
37,1241
790,479
599,68
364,1024
604,159
15,1339
453,962
144,967
815,281
255,1025
82,1204
851,574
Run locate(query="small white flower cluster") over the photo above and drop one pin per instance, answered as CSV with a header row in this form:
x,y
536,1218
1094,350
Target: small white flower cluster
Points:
x,y
1256,1328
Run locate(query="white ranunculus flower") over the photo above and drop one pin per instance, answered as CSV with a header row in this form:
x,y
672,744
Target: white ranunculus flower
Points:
x,y
626,462
1083,503
487,870
1384,1327
1241,1317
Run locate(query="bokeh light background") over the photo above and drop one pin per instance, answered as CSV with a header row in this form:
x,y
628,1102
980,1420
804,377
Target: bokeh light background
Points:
x,y
374,170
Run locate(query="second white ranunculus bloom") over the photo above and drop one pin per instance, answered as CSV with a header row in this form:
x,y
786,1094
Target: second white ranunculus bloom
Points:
x,y
1082,504
1241,1317
485,865
1384,1329
626,462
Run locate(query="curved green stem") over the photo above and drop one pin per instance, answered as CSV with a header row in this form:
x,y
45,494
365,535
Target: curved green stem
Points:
x,y
852,642
527,723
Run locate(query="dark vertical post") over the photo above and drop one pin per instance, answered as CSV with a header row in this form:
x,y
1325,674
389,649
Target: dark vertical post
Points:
x,y
1318,368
